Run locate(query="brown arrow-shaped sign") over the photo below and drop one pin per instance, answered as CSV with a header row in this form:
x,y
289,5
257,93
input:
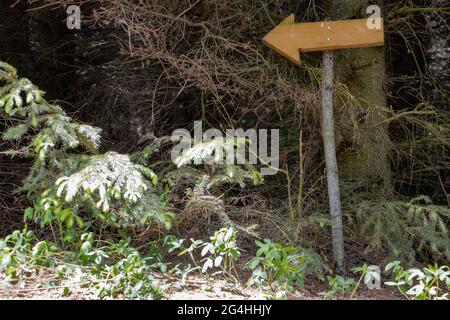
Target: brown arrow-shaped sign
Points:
x,y
288,38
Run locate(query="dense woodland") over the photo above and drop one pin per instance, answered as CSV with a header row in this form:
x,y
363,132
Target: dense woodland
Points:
x,y
92,205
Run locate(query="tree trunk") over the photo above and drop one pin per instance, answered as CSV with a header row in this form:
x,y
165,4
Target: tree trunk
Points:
x,y
438,56
363,143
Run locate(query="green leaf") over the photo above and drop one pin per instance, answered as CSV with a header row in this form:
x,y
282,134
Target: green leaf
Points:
x,y
218,261
259,243
69,222
86,247
290,250
254,263
207,248
392,265
65,213
28,214
208,264
66,292
78,220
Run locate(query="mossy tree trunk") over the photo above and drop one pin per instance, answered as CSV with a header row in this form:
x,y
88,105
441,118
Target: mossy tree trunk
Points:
x,y
362,139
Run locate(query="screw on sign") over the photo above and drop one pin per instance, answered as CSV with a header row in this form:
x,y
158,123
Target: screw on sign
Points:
x,y
289,39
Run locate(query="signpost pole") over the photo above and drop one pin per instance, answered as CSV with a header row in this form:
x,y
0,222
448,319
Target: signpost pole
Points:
x,y
289,39
331,161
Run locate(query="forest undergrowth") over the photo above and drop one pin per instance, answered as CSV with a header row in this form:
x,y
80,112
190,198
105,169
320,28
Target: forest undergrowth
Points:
x,y
92,205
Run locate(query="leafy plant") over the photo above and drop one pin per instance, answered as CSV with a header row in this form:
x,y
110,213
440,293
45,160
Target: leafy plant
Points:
x,y
116,269
276,264
430,283
339,286
21,254
49,211
130,277
221,252
88,252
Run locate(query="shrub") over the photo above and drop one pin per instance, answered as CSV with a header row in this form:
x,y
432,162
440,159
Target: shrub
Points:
x,y
339,286
276,264
430,283
64,183
407,230
221,253
21,255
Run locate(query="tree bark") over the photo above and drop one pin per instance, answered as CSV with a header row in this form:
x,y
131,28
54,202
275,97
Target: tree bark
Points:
x,y
438,56
331,162
363,145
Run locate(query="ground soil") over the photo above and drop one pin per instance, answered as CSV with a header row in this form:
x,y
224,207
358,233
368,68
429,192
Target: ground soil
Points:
x,y
194,288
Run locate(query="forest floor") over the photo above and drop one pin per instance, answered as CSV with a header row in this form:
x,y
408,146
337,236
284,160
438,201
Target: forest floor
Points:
x,y
193,288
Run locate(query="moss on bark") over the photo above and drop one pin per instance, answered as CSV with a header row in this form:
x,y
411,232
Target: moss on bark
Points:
x,y
363,146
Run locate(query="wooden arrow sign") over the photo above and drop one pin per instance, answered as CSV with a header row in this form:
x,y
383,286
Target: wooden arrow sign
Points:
x,y
288,38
